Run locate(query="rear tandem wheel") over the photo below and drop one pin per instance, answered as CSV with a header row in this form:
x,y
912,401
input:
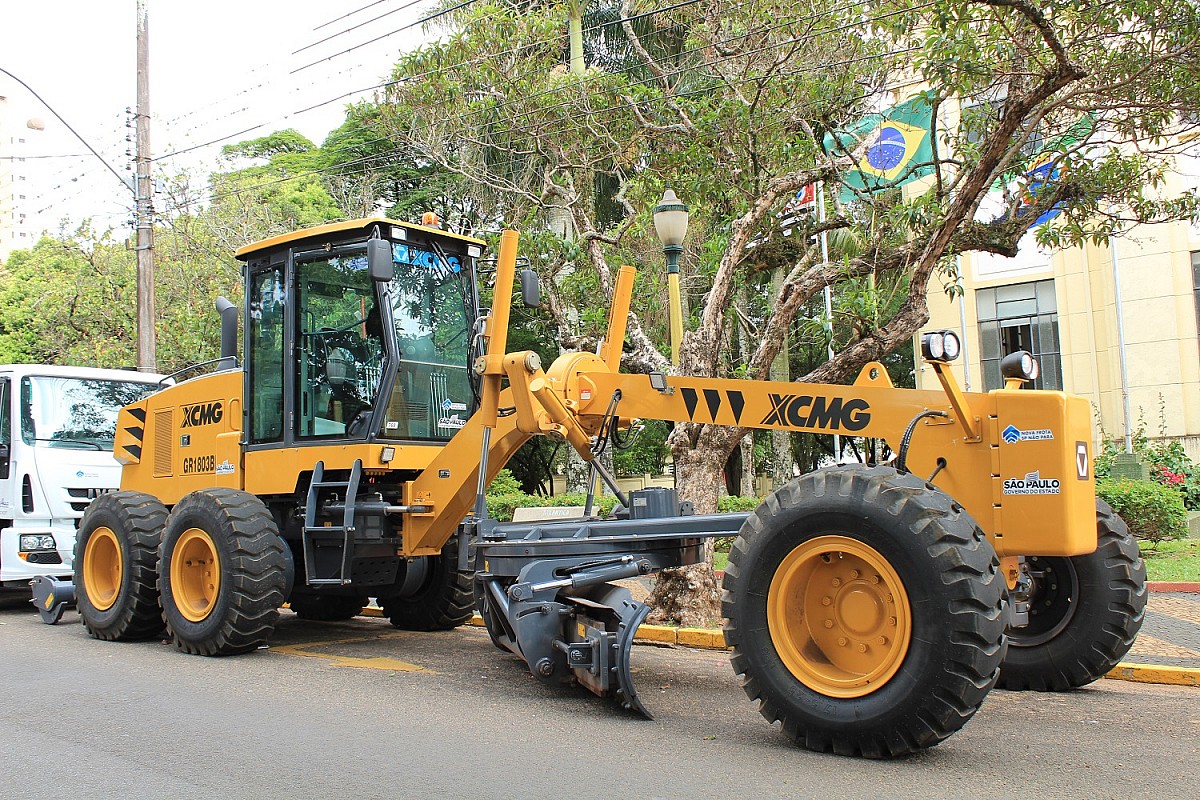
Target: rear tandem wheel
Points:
x,y
444,600
864,610
116,561
222,572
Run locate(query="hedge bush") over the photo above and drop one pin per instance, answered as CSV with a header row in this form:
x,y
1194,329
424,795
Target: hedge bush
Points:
x,y
1153,512
504,495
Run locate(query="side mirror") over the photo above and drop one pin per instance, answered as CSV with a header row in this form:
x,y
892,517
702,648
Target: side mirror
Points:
x,y
531,290
4,453
379,259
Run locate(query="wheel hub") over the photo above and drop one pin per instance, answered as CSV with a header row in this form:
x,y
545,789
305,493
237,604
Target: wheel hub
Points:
x,y
839,616
195,574
103,568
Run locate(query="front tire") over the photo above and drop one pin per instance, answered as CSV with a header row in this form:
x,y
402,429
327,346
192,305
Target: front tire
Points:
x,y
222,573
1085,612
444,600
116,562
864,609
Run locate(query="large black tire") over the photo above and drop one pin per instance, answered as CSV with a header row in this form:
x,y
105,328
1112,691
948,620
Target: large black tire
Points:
x,y
1085,612
116,566
327,607
222,573
445,599
855,565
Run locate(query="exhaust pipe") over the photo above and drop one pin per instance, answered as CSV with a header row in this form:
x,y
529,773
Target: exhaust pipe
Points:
x,y
229,326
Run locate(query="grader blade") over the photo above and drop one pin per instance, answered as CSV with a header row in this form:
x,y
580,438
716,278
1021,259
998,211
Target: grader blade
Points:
x,y
626,693
600,643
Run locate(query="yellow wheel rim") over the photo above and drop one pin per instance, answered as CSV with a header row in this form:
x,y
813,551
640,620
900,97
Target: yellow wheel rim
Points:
x,y
839,616
195,574
103,568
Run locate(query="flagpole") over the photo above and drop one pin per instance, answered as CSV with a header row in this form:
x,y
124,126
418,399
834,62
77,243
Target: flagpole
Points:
x,y
837,440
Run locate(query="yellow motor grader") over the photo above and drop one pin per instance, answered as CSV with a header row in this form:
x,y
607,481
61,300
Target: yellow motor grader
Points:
x,y
870,609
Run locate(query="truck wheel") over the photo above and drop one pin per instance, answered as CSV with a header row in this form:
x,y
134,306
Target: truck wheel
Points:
x,y
327,607
444,600
116,561
864,610
222,572
1084,613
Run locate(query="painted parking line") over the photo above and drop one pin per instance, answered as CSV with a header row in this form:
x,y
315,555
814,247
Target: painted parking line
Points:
x,y
306,650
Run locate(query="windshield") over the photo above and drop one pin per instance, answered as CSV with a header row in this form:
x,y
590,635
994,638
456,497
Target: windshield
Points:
x,y
432,396
75,412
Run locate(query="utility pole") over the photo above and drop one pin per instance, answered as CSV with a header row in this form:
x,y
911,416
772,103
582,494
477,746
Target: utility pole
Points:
x,y
146,357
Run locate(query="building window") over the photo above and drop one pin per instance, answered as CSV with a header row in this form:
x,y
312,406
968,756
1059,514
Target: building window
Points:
x,y
1023,316
1196,283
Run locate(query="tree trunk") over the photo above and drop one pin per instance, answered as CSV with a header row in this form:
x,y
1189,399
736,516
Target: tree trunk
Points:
x,y
747,446
689,596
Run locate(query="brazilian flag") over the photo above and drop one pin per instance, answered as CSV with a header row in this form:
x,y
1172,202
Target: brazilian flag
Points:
x,y
886,146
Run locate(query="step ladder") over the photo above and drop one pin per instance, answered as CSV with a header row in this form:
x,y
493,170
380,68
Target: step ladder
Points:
x,y
312,532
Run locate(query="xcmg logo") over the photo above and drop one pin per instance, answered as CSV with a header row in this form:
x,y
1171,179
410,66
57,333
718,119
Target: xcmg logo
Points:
x,y
202,414
806,411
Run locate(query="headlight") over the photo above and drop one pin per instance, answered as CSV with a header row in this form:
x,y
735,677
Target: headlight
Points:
x,y
940,346
36,541
1020,364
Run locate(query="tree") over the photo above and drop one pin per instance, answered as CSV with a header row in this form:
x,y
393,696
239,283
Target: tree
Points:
x,y
740,107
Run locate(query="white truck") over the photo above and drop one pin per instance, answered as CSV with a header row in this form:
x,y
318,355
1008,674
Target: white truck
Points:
x,y
56,438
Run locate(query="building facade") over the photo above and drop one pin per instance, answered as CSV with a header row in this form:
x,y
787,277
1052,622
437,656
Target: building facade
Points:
x,y
1070,309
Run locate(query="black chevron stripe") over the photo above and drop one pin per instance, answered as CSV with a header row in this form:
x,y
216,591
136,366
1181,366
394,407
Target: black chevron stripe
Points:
x,y
713,398
139,414
689,400
736,402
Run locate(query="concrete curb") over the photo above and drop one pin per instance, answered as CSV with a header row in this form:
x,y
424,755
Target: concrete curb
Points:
x,y
1153,673
714,639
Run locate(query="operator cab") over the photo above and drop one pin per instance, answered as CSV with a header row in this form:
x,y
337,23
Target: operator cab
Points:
x,y
378,318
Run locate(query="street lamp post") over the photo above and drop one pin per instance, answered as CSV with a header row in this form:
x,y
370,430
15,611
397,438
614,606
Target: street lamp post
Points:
x,y
670,225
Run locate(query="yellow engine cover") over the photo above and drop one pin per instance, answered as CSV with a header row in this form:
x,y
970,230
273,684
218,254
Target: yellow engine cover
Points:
x,y
1044,492
184,438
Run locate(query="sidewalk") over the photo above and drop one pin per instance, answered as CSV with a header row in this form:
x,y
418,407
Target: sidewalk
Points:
x,y
1168,648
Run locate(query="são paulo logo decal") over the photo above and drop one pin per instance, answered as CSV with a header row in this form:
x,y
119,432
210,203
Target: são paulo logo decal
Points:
x,y
1032,483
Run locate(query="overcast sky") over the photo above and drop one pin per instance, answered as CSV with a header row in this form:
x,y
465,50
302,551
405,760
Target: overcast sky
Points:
x,y
218,67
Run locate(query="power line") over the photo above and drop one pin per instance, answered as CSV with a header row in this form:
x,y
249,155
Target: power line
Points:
x,y
66,124
479,60
421,21
359,25
349,14
793,40
339,168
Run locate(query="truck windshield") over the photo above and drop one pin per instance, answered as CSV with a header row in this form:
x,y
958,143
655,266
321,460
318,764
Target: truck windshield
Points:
x,y
75,412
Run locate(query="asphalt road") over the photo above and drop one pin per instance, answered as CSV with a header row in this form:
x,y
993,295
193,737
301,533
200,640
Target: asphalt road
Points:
x,y
359,710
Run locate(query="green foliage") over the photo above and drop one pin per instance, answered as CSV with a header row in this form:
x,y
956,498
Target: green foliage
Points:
x,y
647,453
1168,463
1152,511
72,300
505,495
733,502
504,483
